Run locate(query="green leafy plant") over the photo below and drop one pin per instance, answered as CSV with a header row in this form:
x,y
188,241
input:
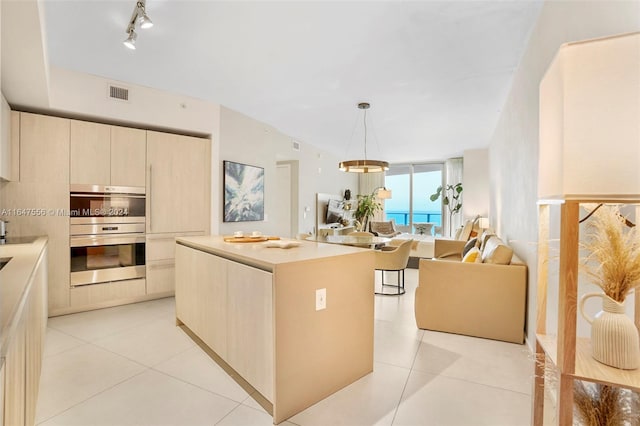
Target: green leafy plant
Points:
x,y
451,197
367,207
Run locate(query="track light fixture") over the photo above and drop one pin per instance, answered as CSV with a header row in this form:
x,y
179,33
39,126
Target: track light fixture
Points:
x,y
130,42
138,15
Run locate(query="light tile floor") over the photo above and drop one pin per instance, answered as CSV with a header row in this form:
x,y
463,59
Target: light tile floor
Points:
x,y
131,365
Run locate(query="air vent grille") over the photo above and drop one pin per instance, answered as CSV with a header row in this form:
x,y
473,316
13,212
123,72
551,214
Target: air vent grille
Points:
x,y
120,93
296,146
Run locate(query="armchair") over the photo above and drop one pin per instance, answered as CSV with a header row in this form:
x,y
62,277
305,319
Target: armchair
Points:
x,y
384,229
393,259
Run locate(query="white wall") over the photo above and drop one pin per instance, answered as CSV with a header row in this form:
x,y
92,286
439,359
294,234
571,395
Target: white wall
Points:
x,y
248,141
475,175
513,152
86,96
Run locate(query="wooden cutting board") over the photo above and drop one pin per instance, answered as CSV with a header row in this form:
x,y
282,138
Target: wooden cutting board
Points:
x,y
248,239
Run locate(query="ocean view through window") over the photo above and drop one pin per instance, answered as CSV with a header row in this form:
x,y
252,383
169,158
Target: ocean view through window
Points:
x,y
410,206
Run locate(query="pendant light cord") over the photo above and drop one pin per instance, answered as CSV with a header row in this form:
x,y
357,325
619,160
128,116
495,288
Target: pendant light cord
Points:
x,y
365,134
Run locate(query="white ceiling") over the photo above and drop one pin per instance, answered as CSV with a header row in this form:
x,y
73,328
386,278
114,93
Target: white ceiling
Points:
x,y
436,72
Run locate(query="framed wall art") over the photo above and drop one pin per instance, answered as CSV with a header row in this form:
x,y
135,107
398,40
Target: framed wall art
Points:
x,y
243,192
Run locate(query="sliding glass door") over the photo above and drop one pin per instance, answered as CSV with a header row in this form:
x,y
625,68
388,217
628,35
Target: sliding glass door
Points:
x,y
410,207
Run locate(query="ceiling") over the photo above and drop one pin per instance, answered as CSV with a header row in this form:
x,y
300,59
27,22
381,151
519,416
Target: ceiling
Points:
x,y
436,73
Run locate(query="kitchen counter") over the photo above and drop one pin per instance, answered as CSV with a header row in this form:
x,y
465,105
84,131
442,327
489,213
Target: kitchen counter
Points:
x,y
14,280
296,323
260,256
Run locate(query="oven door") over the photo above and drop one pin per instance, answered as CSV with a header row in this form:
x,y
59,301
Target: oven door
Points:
x,y
98,259
93,204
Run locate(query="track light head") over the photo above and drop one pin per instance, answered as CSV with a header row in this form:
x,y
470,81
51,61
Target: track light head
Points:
x,y
144,21
130,42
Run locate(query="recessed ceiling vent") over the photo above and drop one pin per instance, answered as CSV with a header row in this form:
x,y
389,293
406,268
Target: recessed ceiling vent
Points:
x,y
296,146
119,93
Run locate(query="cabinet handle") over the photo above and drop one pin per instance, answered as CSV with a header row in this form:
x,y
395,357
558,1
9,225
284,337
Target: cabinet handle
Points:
x,y
149,195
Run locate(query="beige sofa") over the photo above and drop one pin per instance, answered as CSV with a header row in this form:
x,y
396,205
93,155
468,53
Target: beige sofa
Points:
x,y
475,299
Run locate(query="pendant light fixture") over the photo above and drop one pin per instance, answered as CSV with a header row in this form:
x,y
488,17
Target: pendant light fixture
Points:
x,y
139,15
364,166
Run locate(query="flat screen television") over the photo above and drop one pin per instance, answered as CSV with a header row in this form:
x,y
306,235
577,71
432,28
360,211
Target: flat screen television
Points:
x,y
334,212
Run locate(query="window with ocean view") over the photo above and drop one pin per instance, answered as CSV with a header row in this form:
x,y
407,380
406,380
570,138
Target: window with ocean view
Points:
x,y
410,206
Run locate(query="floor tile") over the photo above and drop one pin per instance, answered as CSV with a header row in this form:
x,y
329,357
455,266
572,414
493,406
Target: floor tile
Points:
x,y
151,398
93,325
396,345
196,367
57,342
371,400
250,402
484,361
243,416
443,401
73,376
150,343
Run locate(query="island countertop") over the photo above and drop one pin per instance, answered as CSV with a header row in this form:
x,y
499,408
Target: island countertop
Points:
x,y
259,254
14,278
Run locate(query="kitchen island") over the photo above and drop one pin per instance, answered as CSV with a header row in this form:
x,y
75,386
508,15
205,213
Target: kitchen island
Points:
x,y
260,311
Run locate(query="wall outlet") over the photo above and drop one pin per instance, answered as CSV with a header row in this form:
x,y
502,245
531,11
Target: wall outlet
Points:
x,y
321,299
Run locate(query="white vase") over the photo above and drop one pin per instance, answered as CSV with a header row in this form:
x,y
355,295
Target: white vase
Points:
x,y
614,336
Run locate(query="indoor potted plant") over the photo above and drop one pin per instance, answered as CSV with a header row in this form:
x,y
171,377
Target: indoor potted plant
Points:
x,y
367,207
451,197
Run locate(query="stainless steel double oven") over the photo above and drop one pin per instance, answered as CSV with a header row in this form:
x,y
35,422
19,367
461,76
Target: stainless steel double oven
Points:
x,y
107,233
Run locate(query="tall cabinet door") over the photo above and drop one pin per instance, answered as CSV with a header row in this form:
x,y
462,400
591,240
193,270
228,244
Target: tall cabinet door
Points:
x,y
44,183
177,183
90,153
128,155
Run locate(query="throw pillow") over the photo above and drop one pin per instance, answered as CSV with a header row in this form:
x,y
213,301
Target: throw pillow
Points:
x,y
472,255
485,237
466,231
496,252
469,245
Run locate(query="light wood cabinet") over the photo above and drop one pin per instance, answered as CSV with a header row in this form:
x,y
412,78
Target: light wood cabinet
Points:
x,y
178,183
229,306
128,156
14,381
107,155
250,325
90,153
44,184
6,153
23,361
203,281
160,259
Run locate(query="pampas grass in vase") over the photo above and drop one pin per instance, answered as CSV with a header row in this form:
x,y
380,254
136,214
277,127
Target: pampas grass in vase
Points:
x,y
613,263
602,405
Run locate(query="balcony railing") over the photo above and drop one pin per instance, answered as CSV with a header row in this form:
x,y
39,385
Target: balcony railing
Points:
x,y
402,217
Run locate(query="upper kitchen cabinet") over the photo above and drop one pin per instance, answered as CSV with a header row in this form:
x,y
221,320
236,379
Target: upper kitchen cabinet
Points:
x,y
90,153
6,158
44,149
128,156
107,155
178,183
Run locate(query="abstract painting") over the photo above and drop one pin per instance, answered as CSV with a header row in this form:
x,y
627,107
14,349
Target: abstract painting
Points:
x,y
243,192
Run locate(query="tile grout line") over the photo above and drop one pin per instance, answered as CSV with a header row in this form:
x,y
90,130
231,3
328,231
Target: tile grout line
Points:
x,y
404,388
92,396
